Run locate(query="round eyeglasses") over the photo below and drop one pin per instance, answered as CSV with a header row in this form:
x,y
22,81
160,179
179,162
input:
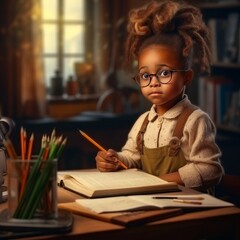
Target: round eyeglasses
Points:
x,y
163,76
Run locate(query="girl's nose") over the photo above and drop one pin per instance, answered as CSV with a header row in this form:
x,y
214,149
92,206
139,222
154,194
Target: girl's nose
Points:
x,y
154,82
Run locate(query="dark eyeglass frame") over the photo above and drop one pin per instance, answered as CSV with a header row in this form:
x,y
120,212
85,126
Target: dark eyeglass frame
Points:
x,y
150,75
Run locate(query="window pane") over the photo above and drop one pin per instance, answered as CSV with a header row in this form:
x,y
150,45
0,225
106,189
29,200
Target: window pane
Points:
x,y
69,63
50,66
74,10
49,9
49,38
73,38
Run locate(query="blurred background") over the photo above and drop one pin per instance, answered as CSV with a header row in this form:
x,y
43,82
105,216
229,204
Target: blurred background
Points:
x,y
61,66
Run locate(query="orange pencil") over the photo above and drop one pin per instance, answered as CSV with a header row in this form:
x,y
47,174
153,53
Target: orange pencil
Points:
x,y
23,143
46,153
30,146
26,171
99,146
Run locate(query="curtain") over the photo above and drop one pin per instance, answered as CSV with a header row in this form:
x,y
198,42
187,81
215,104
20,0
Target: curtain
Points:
x,y
24,90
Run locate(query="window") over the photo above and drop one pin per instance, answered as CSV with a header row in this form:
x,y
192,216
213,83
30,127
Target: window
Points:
x,y
63,28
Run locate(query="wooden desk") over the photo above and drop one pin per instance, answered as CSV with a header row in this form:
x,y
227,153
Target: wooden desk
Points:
x,y
221,223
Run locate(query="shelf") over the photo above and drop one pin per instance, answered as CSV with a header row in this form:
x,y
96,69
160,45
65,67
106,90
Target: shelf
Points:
x,y
77,98
218,9
217,96
226,65
218,5
69,106
230,129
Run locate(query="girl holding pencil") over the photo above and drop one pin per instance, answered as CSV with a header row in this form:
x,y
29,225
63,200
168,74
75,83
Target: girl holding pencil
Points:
x,y
174,140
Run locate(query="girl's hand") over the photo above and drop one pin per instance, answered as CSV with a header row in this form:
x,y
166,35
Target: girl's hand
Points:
x,y
107,161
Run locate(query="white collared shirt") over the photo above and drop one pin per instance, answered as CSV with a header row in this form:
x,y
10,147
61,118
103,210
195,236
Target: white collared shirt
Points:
x,y
198,143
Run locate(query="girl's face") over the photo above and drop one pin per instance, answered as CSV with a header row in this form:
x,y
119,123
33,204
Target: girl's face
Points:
x,y
157,57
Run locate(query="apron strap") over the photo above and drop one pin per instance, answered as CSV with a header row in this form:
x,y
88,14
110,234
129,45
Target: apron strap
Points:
x,y
140,135
178,131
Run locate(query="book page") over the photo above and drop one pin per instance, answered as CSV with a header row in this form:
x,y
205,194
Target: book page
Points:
x,y
200,200
112,180
113,204
135,202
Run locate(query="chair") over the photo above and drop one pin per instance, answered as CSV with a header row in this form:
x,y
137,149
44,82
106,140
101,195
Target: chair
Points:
x,y
117,99
111,101
229,189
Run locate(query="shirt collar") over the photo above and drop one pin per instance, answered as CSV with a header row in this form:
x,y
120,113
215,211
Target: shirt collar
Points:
x,y
172,113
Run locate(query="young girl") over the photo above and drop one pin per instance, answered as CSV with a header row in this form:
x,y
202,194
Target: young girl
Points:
x,y
175,140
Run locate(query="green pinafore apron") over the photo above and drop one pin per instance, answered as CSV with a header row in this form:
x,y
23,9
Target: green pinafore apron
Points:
x,y
166,159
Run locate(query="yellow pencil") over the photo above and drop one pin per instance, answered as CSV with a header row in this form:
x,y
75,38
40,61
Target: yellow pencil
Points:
x,y
100,147
187,202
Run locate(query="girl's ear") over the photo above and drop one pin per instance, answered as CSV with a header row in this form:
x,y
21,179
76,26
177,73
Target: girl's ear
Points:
x,y
188,76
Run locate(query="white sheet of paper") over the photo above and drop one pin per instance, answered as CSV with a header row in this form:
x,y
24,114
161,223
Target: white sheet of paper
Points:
x,y
135,202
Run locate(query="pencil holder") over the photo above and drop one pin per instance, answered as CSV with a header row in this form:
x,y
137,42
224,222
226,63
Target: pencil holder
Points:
x,y
32,188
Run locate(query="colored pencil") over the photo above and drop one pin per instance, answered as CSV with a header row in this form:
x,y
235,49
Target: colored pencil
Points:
x,y
100,147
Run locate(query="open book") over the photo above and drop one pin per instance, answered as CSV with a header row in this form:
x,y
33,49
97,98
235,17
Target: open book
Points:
x,y
92,183
134,210
122,218
150,201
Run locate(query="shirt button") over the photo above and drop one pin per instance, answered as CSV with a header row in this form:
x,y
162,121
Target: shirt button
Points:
x,y
160,121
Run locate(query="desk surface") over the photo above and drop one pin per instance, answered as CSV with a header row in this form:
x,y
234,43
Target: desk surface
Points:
x,y
222,222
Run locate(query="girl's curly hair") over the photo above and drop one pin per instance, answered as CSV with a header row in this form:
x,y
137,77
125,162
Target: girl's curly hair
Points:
x,y
171,23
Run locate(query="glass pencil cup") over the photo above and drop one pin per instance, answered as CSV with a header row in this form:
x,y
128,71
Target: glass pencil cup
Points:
x,y
32,189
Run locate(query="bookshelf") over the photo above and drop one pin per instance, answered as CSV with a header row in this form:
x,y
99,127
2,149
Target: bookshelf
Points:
x,y
219,95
